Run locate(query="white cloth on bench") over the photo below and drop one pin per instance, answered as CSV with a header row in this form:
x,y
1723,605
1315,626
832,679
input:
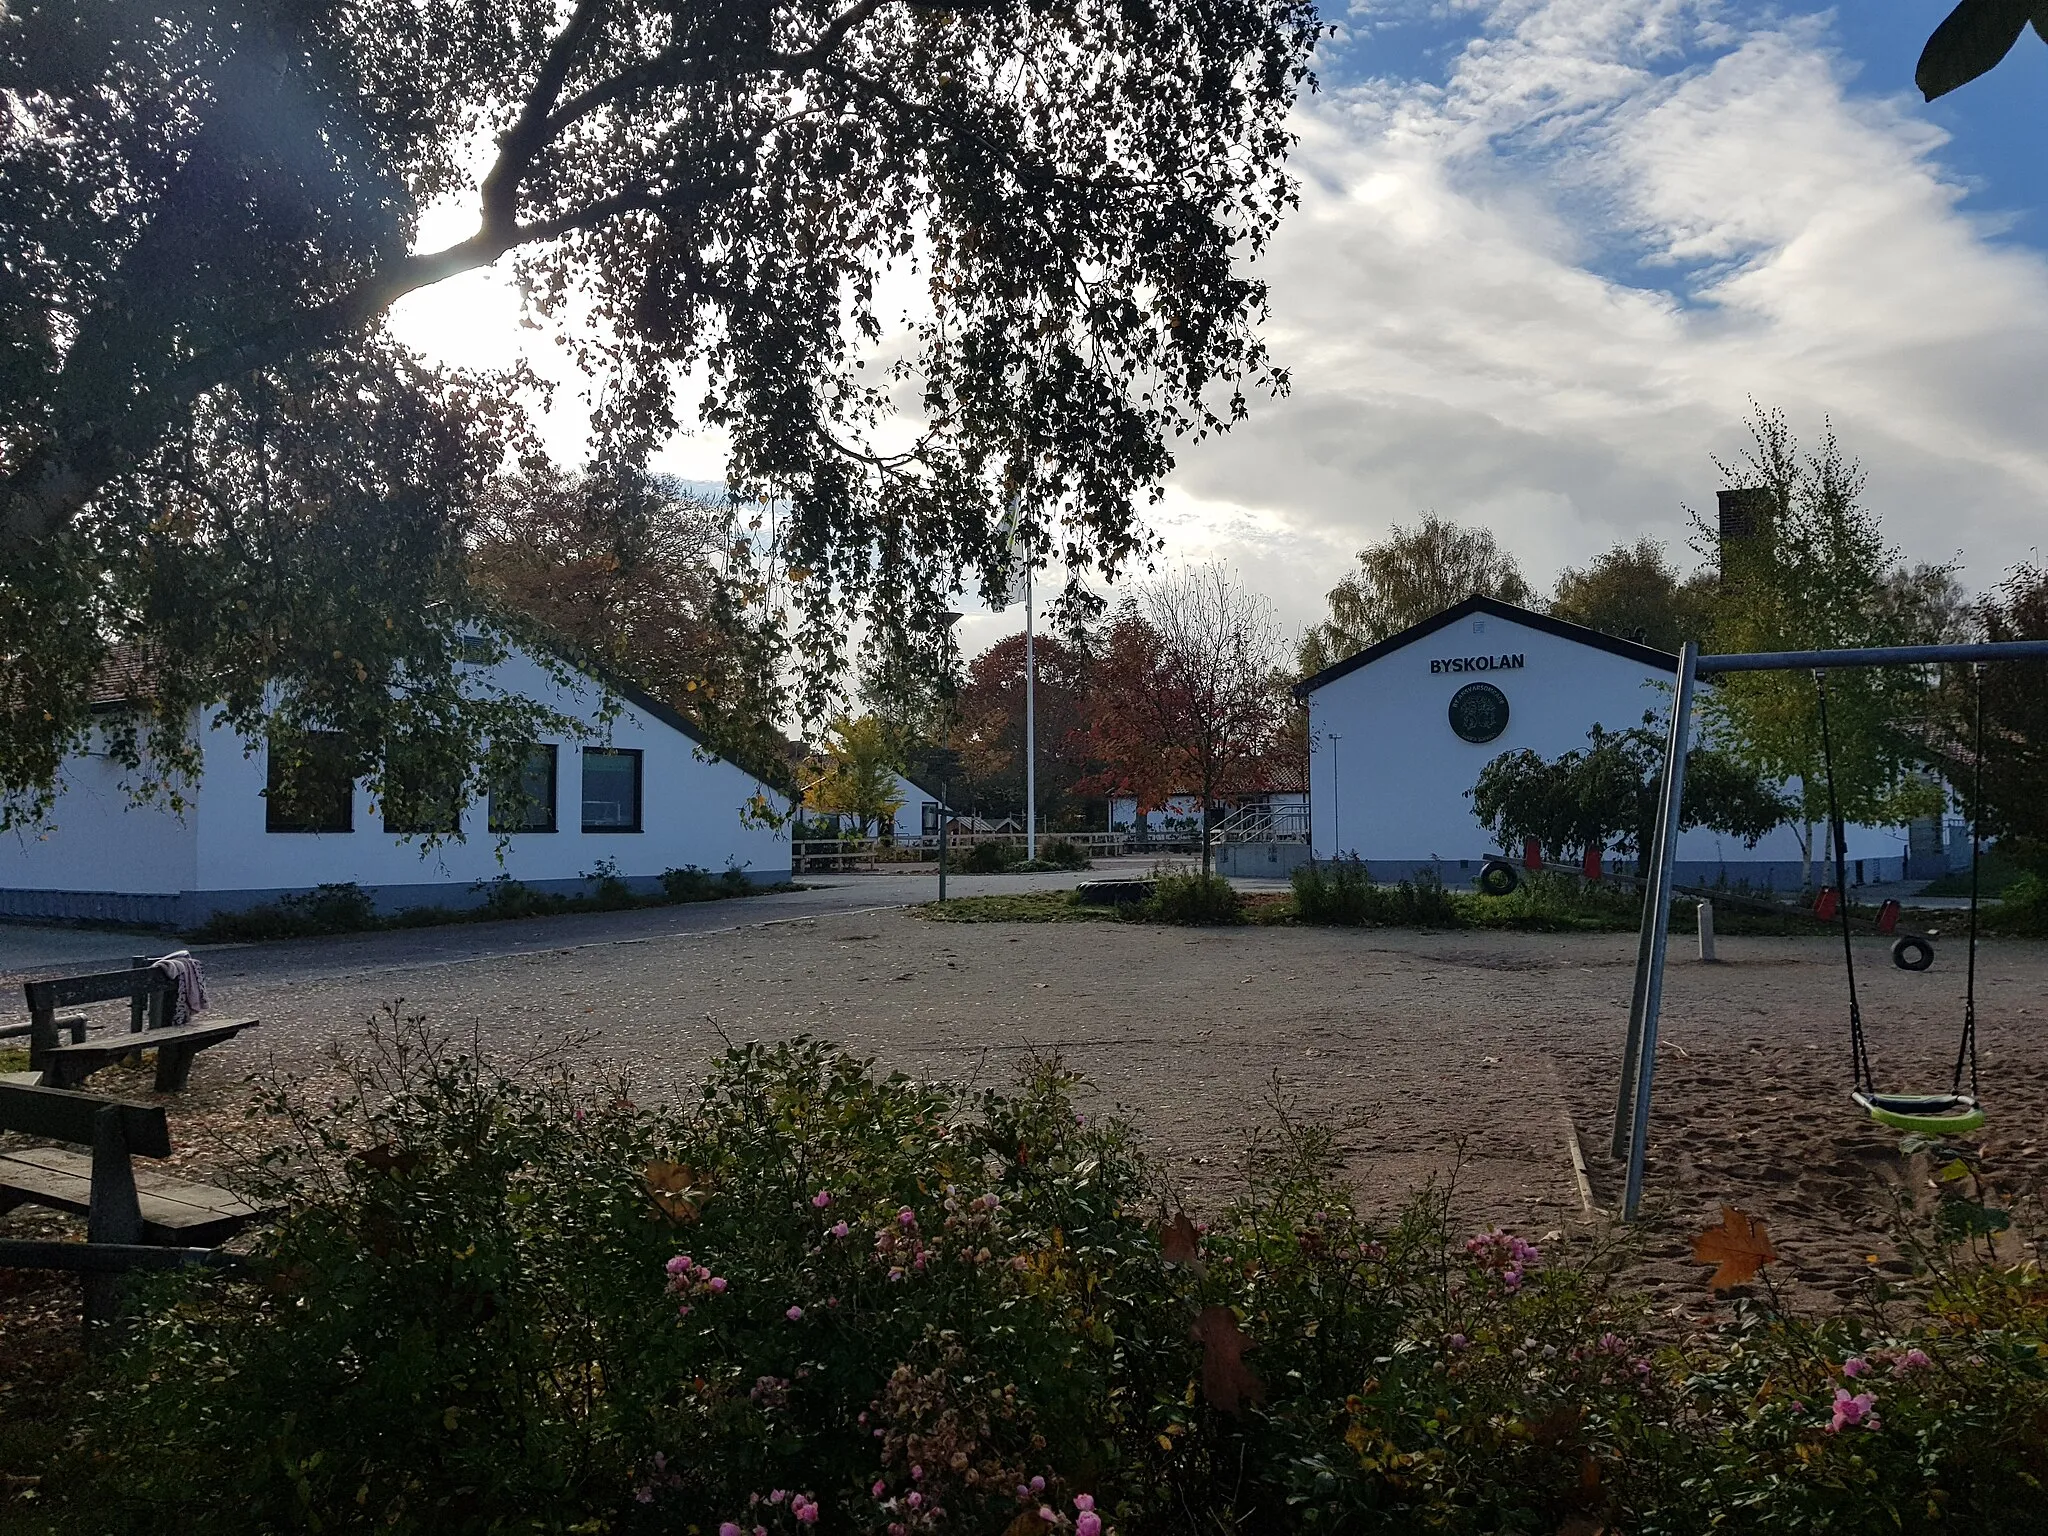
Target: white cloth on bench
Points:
x,y
183,973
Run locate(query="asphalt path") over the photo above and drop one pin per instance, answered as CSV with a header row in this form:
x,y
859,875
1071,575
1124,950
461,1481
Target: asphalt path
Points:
x,y
26,950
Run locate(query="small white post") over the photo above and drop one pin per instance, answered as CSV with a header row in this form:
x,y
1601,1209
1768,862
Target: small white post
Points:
x,y
1707,930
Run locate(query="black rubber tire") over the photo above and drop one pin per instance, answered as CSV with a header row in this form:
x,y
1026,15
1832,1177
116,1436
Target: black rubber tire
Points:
x,y
1499,878
1912,953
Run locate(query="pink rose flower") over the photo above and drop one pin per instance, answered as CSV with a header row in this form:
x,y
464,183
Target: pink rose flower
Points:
x,y
822,1199
1854,1367
795,1314
1853,1412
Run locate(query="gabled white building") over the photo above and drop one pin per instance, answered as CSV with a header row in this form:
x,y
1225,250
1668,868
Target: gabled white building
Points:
x,y
1399,732
643,794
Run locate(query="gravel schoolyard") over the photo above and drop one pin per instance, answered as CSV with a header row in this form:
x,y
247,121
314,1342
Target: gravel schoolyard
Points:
x,y
1466,1055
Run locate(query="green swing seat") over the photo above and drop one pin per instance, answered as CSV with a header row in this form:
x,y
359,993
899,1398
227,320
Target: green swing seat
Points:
x,y
1929,1114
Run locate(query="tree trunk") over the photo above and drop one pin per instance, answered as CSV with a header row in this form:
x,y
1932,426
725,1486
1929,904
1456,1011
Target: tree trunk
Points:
x,y
1208,787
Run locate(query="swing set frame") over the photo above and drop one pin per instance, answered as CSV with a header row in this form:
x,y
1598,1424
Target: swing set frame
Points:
x,y
1639,1053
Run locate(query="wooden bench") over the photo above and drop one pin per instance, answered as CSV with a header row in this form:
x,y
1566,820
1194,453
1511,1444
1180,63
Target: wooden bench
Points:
x,y
149,994
130,1222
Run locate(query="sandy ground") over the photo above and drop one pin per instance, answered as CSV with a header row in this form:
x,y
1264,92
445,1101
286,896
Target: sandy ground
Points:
x,y
1461,1055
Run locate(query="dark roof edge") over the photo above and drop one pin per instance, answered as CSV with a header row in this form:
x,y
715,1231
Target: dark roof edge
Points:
x,y
1492,607
640,699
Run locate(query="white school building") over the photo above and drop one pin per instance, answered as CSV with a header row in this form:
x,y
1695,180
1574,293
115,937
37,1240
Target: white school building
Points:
x,y
1399,732
641,794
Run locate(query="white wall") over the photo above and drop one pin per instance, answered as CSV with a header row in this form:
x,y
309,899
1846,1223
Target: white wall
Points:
x,y
1388,777
910,814
692,812
97,839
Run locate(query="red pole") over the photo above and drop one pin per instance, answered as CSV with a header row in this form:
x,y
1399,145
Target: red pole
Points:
x,y
1532,853
1593,862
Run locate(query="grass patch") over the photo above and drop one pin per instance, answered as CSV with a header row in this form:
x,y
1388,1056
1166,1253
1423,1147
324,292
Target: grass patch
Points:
x,y
13,1058
1022,907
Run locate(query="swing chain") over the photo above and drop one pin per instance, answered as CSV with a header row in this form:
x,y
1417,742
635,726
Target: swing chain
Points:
x,y
1859,1053
1967,1050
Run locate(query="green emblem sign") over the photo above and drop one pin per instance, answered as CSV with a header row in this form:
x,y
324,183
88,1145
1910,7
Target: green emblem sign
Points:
x,y
1479,712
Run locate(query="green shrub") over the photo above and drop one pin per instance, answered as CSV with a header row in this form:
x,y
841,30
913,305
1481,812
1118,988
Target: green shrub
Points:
x,y
733,881
610,892
1193,899
1335,892
1064,853
1554,899
991,858
2023,909
1341,892
505,897
498,1305
688,884
339,908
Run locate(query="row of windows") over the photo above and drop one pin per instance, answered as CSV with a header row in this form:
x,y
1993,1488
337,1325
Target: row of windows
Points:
x,y
316,793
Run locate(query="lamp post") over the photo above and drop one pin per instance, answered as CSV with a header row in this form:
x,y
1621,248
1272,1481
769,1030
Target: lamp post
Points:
x,y
1336,803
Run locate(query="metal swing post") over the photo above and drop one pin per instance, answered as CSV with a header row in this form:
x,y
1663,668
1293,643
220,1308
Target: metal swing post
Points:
x,y
1639,1064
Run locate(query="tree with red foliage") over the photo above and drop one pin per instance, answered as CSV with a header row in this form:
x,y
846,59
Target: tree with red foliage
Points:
x,y
1188,692
990,732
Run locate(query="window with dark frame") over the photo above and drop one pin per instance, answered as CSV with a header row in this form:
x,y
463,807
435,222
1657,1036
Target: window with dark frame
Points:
x,y
611,789
418,799
527,803
310,789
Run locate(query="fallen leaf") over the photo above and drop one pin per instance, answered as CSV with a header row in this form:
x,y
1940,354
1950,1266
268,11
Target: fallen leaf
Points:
x,y
1556,1426
385,1158
672,1188
1740,1246
1178,1241
1227,1382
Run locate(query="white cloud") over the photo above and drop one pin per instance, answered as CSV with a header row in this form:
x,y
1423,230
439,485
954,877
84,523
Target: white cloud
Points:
x,y
1538,296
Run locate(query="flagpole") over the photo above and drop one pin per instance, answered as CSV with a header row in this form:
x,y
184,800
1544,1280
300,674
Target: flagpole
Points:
x,y
1030,729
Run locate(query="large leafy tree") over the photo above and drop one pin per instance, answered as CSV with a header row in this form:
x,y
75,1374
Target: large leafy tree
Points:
x,y
1606,796
1190,696
650,582
1405,578
308,525
1816,573
2015,778
204,193
1634,591
990,734
859,777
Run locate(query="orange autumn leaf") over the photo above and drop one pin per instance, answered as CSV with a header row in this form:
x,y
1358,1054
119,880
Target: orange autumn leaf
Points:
x,y
1178,1241
385,1158
671,1186
1227,1382
1740,1246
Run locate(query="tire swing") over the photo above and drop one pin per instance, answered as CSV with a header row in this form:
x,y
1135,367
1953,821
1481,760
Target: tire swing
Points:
x,y
1928,1114
1499,878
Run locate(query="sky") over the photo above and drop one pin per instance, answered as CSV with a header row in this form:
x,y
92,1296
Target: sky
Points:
x,y
1548,251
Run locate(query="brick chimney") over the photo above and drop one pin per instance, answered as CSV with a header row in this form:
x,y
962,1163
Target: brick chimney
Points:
x,y
1745,511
